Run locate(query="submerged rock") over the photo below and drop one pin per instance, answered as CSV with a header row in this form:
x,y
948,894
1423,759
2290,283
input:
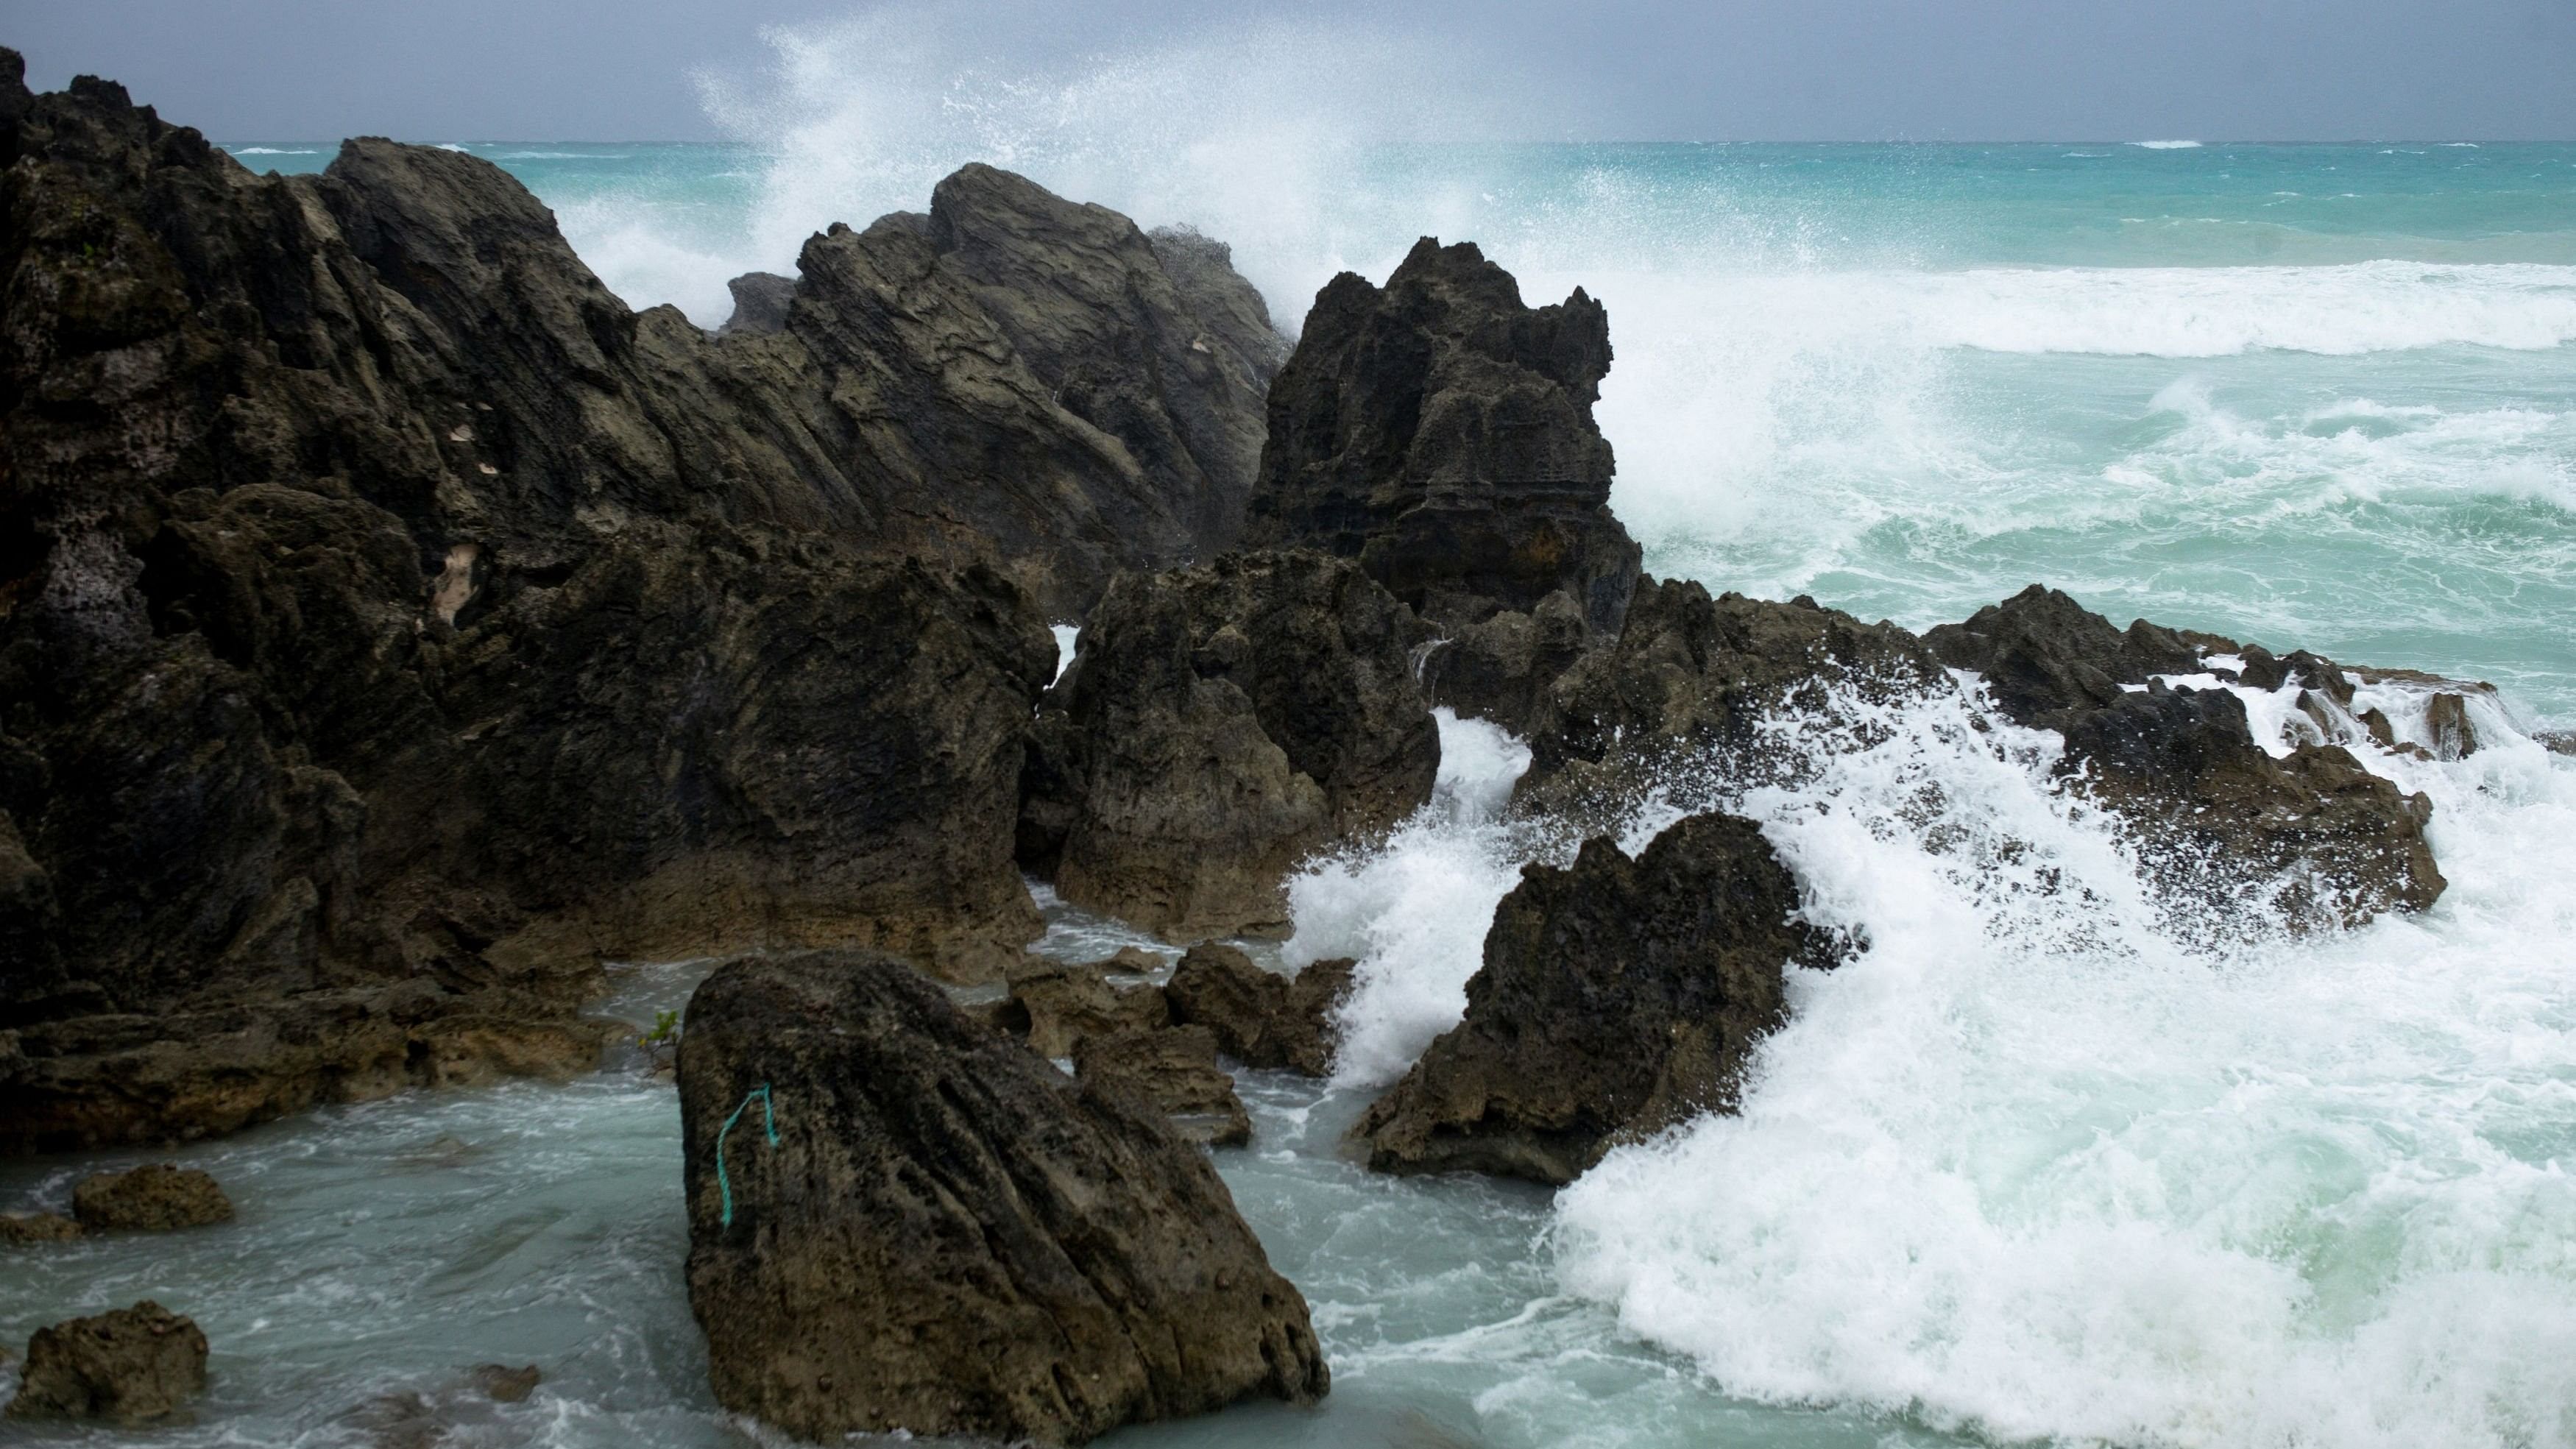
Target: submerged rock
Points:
x,y
1441,433
901,1221
1261,1018
156,1197
2215,812
503,1384
1217,725
1618,997
133,1365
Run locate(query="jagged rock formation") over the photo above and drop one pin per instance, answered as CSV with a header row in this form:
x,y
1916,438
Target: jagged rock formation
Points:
x,y
1685,686
2214,809
1441,433
1261,1018
1218,724
1055,1005
948,1236
1501,668
156,1197
760,303
1617,998
393,624
130,1366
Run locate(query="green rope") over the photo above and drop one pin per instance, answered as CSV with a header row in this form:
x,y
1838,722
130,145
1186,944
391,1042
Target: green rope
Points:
x,y
724,1184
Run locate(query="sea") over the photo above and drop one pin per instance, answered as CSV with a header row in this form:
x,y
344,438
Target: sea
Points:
x,y
2049,1161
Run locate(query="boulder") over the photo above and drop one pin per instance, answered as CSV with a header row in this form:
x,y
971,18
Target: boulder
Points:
x,y
2313,835
1217,725
1059,1005
130,1366
899,1221
1174,1071
1441,432
1261,1018
153,1198
1618,997
1676,704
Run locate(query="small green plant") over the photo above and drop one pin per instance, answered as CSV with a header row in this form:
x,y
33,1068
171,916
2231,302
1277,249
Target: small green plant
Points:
x,y
666,1025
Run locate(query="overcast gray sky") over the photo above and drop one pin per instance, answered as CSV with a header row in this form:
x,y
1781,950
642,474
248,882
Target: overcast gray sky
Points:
x,y
431,70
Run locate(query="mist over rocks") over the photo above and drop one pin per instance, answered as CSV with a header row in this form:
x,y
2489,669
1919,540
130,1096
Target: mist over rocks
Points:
x,y
1681,694
1441,432
947,1235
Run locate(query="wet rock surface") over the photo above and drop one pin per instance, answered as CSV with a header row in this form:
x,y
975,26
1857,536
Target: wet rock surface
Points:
x,y
38,1228
131,1366
1057,1005
1441,432
1618,997
2320,837
1502,667
152,1198
1217,725
397,624
1685,689
947,1235
1261,1018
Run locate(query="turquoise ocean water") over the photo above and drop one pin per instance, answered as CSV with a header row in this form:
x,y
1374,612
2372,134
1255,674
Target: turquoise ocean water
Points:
x,y
2038,1166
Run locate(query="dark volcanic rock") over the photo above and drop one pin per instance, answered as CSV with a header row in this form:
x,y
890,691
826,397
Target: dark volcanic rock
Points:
x,y
1686,685
393,624
1218,724
1441,432
128,1366
2047,659
1501,668
1617,998
760,301
1174,1071
1260,1018
947,1235
153,1198
2214,810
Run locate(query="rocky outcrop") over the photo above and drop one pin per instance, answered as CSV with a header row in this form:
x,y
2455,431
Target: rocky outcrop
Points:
x,y
2313,834
1261,1018
393,625
760,302
1618,997
156,1197
899,1220
1174,1071
1217,725
1441,433
1682,693
1055,1006
135,1365
1501,668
